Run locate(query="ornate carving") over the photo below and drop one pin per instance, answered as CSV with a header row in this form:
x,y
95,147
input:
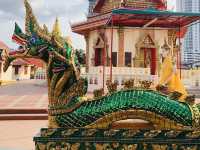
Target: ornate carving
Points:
x,y
146,42
98,93
112,87
145,84
99,139
129,84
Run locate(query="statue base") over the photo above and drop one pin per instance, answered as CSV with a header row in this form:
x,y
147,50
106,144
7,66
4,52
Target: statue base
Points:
x,y
111,139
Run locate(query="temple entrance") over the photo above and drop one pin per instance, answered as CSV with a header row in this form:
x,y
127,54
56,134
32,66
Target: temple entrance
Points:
x,y
150,59
146,54
99,51
98,57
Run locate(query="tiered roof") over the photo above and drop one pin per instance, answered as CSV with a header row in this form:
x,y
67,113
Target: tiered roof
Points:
x,y
136,17
20,62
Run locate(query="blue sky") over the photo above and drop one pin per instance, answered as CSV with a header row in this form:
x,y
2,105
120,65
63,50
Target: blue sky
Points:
x,y
67,11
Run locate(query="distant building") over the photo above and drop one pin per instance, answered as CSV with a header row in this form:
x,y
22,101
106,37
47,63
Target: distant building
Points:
x,y
38,68
191,43
21,69
91,7
4,76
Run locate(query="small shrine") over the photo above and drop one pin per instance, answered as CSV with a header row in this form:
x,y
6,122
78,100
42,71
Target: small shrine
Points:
x,y
124,39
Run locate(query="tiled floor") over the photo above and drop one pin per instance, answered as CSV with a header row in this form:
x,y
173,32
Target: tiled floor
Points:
x,y
18,135
24,94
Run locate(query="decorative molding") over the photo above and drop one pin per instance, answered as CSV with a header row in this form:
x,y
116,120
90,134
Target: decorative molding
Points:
x,y
141,44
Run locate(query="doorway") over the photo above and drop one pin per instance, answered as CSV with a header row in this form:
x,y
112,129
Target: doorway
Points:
x,y
99,57
150,59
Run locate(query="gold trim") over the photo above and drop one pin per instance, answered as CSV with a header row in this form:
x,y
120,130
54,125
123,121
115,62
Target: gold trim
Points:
x,y
158,121
195,116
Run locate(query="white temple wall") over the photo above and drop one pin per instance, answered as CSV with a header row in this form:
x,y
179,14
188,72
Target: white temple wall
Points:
x,y
5,76
115,40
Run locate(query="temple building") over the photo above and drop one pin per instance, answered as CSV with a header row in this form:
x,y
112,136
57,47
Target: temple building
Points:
x,y
124,39
20,69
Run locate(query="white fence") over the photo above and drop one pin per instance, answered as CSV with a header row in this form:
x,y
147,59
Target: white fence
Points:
x,y
96,76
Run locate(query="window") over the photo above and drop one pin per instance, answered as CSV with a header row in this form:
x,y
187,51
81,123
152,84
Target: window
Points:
x,y
16,69
25,70
32,69
91,81
114,59
98,57
128,57
96,81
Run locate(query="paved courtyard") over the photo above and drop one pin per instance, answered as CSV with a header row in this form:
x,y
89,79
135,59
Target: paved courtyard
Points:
x,y
18,135
24,94
27,94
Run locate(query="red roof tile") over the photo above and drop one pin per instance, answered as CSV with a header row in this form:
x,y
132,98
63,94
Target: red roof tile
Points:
x,y
36,62
20,62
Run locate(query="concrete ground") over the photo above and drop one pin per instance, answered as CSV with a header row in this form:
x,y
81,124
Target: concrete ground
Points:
x,y
18,135
24,94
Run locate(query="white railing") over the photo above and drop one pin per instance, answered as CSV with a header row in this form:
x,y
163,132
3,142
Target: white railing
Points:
x,y
190,78
120,74
120,70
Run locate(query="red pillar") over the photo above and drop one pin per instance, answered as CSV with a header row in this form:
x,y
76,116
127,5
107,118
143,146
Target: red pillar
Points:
x,y
111,48
153,61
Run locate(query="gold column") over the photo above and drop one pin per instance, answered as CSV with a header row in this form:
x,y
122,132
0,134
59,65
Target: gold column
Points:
x,y
87,52
121,48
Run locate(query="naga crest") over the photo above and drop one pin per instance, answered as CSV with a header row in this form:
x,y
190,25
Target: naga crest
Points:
x,y
37,42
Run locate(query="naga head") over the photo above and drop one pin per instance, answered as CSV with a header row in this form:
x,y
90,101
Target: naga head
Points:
x,y
37,42
31,45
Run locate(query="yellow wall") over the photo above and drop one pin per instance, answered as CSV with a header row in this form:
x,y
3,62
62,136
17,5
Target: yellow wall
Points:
x,y
5,76
22,75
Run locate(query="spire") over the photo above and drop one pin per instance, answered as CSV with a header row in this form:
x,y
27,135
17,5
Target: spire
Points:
x,y
56,28
31,24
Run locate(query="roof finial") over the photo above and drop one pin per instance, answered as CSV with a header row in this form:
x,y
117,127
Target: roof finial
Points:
x,y
56,29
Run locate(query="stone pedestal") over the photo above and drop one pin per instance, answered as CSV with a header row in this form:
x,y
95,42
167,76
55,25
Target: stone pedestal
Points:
x,y
109,139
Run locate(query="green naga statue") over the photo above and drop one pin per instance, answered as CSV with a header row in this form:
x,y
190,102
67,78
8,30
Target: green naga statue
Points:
x,y
68,108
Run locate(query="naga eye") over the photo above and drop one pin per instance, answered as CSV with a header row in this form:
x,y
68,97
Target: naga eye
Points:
x,y
33,40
